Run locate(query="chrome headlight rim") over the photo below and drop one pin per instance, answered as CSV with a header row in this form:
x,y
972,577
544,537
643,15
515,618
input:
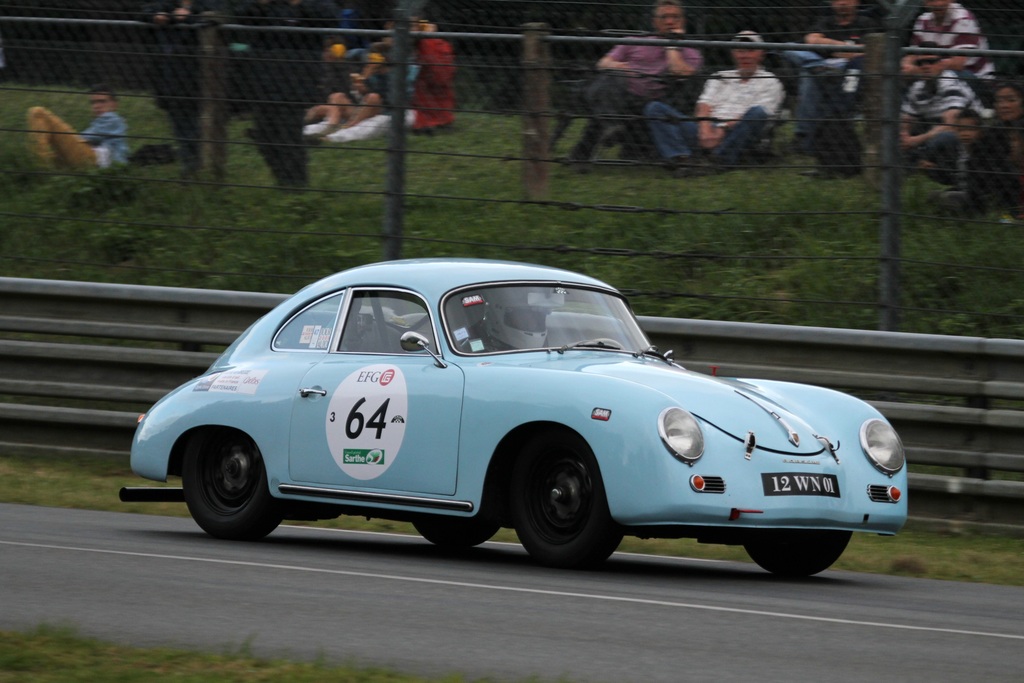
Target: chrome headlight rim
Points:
x,y
869,437
688,447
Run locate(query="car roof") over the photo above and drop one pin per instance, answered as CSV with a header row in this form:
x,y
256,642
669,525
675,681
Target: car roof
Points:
x,y
434,277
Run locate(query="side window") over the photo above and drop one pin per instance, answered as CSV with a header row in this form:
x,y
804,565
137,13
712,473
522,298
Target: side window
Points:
x,y
312,328
377,320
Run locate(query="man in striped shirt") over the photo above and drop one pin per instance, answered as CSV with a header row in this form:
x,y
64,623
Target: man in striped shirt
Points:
x,y
928,116
949,24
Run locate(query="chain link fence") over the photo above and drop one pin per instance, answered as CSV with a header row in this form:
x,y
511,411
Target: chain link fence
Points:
x,y
273,142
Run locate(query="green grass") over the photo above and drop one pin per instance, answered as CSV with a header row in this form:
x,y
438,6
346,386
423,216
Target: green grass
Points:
x,y
52,654
758,245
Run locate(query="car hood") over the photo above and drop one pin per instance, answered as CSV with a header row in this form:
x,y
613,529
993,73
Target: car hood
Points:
x,y
731,406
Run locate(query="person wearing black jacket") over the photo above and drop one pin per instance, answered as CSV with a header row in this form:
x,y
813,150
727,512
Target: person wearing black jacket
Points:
x,y
176,71
285,69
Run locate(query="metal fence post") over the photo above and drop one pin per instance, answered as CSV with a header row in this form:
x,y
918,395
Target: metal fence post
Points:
x,y
394,194
536,63
889,239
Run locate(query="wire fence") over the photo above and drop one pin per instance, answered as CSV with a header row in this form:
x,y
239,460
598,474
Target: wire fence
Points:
x,y
267,145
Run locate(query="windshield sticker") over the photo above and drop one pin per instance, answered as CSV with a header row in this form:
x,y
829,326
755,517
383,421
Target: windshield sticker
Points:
x,y
366,420
234,382
472,300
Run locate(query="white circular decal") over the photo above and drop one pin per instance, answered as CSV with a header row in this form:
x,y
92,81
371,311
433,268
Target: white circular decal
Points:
x,y
366,420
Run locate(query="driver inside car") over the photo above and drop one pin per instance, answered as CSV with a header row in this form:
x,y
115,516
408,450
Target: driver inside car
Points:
x,y
514,324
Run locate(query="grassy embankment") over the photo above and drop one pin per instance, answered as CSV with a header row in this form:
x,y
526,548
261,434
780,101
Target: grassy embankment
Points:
x,y
759,245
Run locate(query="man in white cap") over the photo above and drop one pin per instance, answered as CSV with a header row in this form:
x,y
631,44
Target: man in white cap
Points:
x,y
731,116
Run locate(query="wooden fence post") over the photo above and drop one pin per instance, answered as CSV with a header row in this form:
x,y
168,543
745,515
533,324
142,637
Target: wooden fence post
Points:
x,y
871,83
213,116
536,63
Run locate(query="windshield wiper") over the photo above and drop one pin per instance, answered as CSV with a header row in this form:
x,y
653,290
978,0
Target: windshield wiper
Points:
x,y
599,343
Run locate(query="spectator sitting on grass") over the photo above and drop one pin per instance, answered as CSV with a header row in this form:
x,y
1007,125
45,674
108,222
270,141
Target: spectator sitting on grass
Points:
x,y
101,144
368,97
337,83
949,24
433,96
988,173
630,76
733,112
930,108
829,81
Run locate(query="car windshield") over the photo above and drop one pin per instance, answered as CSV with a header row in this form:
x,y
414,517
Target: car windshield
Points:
x,y
522,317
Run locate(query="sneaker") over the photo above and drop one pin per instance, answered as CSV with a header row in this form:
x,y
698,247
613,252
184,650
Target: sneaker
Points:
x,y
681,166
951,201
316,129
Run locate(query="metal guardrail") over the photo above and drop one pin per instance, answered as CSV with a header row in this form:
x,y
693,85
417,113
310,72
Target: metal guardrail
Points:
x,y
79,361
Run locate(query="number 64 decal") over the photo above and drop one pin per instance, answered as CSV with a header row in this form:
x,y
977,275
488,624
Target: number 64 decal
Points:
x,y
355,422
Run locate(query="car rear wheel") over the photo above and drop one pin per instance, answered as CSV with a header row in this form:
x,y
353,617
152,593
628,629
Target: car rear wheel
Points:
x,y
225,485
797,553
558,502
456,532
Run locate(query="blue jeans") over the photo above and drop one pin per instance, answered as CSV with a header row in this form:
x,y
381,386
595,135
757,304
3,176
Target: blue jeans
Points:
x,y
942,151
742,137
675,135
828,89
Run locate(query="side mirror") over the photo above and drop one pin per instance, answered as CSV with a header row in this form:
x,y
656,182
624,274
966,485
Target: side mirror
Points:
x,y
414,341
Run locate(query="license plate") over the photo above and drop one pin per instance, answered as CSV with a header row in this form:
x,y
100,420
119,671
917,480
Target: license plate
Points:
x,y
800,484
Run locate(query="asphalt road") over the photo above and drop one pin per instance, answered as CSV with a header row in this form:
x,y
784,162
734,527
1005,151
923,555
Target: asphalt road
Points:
x,y
399,602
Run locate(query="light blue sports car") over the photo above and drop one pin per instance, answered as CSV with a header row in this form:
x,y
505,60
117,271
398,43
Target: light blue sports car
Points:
x,y
469,395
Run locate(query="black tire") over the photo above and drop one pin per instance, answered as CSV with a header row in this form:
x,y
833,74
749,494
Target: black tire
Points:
x,y
225,484
456,532
797,553
558,504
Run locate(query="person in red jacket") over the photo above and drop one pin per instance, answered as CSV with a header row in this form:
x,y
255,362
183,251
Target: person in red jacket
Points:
x,y
433,97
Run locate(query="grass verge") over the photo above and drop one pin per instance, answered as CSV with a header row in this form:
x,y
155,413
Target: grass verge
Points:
x,y
51,654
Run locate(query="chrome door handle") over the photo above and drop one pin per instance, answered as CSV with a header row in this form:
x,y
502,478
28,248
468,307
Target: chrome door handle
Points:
x,y
309,391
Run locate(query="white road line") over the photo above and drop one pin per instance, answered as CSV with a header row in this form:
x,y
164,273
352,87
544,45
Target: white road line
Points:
x,y
533,591
509,544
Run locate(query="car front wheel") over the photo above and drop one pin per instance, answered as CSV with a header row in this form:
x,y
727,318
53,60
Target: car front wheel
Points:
x,y
225,485
797,553
558,503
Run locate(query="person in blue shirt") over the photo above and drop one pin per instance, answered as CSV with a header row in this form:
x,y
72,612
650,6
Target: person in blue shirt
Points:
x,y
101,144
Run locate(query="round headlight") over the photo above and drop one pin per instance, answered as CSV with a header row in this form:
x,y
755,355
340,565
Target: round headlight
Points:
x,y
681,434
882,445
